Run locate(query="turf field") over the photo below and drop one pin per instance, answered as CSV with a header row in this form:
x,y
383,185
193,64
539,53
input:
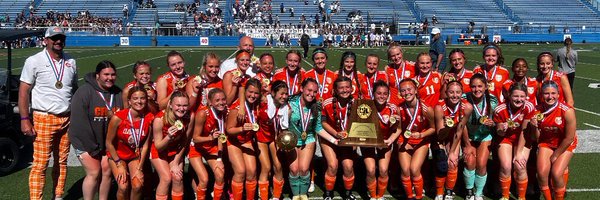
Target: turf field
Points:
x,y
583,184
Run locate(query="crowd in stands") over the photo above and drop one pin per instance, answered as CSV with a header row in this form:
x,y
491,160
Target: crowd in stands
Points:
x,y
253,12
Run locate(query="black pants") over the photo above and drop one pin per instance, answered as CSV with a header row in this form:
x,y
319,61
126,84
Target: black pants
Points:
x,y
571,78
305,47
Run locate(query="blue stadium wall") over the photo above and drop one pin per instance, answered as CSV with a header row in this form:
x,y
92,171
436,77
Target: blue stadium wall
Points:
x,y
233,41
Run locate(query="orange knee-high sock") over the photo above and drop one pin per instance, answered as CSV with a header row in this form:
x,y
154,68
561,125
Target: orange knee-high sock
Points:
x,y
559,194
312,175
348,182
237,189
176,195
277,187
161,197
407,187
546,192
566,176
439,185
218,190
451,179
251,189
263,188
200,193
372,186
418,184
505,185
382,184
522,188
329,182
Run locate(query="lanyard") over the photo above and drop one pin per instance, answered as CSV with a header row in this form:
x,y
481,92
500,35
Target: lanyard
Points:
x,y
108,105
402,75
412,117
426,79
549,110
343,120
321,86
219,120
484,107
304,119
250,114
58,73
489,79
381,117
291,89
369,84
136,135
511,114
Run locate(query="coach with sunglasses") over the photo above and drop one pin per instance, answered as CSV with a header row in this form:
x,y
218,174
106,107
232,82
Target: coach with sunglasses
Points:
x,y
48,79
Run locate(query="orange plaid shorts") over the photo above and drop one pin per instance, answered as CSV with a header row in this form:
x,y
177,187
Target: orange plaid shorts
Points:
x,y
52,139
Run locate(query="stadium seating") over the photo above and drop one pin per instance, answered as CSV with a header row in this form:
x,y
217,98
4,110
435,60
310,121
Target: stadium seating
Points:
x,y
460,12
558,12
13,8
99,8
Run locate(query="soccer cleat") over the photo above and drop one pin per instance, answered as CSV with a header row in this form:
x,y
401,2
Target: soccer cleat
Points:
x,y
439,197
449,195
504,198
328,195
348,195
478,198
311,188
470,195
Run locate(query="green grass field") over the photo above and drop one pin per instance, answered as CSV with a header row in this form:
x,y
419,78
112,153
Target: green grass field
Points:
x,y
583,167
586,103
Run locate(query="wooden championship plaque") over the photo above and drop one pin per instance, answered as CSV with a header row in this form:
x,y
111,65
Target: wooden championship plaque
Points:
x,y
363,127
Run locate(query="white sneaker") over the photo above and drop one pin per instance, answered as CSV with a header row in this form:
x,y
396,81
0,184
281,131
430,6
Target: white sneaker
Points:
x,y
504,198
478,198
311,188
439,197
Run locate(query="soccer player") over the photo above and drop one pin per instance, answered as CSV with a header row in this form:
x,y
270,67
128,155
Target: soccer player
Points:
x,y
451,116
266,72
201,84
397,70
348,69
417,120
207,143
428,82
175,79
321,74
292,73
127,144
142,72
234,80
545,65
171,133
240,145
519,69
373,75
476,144
457,71
556,140
512,118
493,70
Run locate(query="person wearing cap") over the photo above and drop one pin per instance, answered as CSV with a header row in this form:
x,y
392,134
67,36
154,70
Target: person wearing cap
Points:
x,y
437,50
49,79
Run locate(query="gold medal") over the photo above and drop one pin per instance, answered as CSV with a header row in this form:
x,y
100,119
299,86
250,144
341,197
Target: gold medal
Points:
x,y
482,119
392,120
491,86
198,79
147,87
222,138
237,73
58,85
255,127
511,123
321,99
304,135
344,135
407,134
180,84
178,124
449,122
266,82
539,117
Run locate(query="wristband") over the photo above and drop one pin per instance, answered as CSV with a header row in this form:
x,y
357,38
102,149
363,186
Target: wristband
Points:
x,y
332,140
117,160
25,118
219,159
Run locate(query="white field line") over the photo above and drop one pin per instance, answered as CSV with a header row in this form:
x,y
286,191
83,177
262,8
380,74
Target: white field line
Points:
x,y
131,64
591,125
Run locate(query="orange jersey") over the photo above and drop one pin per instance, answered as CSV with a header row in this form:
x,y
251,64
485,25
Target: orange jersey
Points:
x,y
265,81
532,87
245,136
266,132
176,144
503,114
456,116
496,78
129,143
395,75
367,82
465,79
421,123
335,114
356,93
169,77
552,127
211,124
429,88
556,77
384,120
294,83
325,81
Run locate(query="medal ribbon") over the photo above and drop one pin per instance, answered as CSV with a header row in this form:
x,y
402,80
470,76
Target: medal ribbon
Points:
x,y
453,111
250,114
426,79
402,76
291,89
136,135
108,105
369,85
412,117
549,110
381,118
345,118
511,114
321,86
462,74
303,119
493,74
484,107
219,120
58,74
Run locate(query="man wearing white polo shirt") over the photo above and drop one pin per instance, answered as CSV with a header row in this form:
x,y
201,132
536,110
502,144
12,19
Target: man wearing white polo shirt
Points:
x,y
48,79
246,44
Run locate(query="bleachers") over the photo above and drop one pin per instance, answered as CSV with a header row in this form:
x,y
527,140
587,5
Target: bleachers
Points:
x,y
13,7
553,12
165,12
99,8
460,12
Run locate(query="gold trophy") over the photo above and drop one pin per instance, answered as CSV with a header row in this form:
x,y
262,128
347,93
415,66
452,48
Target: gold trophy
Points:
x,y
362,131
287,140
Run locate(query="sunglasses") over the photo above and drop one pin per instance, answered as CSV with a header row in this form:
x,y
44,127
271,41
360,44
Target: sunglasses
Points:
x,y
58,37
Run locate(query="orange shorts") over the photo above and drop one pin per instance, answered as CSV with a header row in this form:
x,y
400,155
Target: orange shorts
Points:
x,y
198,151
